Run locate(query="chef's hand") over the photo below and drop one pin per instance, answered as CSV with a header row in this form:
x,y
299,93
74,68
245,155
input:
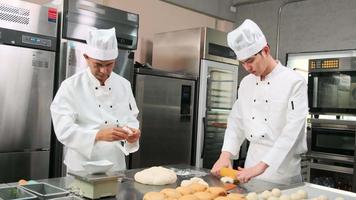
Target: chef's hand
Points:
x,y
223,161
134,136
246,174
111,134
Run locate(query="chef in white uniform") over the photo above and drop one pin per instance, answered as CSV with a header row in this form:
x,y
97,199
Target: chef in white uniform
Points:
x,y
270,112
94,112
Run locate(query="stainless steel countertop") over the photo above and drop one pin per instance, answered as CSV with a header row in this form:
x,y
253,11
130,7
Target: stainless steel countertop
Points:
x,y
129,189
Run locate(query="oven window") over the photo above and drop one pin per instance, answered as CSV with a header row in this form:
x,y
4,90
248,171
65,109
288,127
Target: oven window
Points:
x,y
333,141
331,179
332,91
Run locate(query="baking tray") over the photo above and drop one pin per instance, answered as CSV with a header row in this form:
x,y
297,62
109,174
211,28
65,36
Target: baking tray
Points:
x,y
13,192
314,191
45,190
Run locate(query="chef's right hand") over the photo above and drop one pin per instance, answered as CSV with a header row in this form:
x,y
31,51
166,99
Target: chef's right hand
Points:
x,y
223,161
111,134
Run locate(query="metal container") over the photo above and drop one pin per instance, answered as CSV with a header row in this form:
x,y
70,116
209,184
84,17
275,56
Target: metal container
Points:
x,y
14,192
45,190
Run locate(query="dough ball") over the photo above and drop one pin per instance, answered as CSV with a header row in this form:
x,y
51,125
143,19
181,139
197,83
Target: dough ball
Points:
x,y
198,187
252,196
235,196
172,193
302,194
221,198
322,197
266,194
273,198
185,190
156,176
217,191
226,179
295,196
188,197
276,192
153,196
339,198
284,197
185,183
204,195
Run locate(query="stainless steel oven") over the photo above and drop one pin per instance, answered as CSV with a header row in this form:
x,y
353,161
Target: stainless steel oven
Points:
x,y
332,153
332,85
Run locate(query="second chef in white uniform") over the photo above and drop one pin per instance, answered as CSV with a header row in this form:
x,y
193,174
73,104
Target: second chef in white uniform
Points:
x,y
270,112
94,112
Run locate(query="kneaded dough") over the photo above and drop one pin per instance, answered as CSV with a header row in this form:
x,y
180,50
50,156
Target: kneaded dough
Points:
x,y
235,196
197,187
153,196
252,196
185,190
302,194
156,176
217,191
189,197
284,197
204,195
276,192
171,193
266,194
193,180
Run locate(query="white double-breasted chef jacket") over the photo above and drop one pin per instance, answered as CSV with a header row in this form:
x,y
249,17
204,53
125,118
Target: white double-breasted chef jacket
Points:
x,y
82,107
271,114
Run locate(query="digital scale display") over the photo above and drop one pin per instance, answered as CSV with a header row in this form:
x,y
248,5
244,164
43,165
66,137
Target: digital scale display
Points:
x,y
328,63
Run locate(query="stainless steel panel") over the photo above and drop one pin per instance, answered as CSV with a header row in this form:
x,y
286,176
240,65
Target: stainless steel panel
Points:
x,y
331,168
26,90
182,50
28,17
166,133
23,165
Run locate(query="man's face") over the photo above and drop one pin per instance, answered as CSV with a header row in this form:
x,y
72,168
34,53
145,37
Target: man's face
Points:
x,y
99,68
256,64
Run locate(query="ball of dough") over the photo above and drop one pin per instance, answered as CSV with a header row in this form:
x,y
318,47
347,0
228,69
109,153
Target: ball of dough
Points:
x,y
284,197
339,198
252,196
156,176
185,183
226,179
204,195
217,191
266,194
235,196
197,187
276,192
322,197
153,196
172,193
221,198
273,198
295,196
185,190
302,194
188,197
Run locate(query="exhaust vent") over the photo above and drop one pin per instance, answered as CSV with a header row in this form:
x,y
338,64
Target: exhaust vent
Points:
x,y
14,14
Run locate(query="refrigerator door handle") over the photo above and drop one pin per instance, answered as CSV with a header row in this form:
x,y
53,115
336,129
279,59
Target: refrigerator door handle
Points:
x,y
204,130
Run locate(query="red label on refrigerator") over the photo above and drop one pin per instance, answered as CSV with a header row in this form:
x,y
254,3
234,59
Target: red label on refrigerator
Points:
x,y
52,14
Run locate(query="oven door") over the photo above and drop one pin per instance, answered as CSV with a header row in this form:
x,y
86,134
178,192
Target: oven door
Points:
x,y
332,92
335,140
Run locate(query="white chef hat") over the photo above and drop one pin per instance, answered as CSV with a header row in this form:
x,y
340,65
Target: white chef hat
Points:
x,y
102,44
246,40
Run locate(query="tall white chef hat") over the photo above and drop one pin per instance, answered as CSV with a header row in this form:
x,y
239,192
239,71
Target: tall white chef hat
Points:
x,y
246,40
102,44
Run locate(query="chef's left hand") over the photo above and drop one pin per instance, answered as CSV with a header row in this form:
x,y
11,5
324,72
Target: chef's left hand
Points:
x,y
136,134
246,174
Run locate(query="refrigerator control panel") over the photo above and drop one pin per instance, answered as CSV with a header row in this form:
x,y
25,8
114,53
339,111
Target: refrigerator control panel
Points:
x,y
36,41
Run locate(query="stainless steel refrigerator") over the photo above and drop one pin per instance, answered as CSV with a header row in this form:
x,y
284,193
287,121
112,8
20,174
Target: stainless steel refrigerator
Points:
x,y
78,18
203,52
166,104
27,59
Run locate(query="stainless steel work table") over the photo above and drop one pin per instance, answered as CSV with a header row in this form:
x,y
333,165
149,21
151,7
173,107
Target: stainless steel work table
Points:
x,y
129,189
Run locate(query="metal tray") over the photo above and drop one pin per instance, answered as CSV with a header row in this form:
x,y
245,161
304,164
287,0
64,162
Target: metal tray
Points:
x,y
70,197
314,191
45,190
13,192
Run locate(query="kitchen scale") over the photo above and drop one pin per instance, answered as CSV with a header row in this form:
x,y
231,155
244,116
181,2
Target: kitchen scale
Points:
x,y
95,186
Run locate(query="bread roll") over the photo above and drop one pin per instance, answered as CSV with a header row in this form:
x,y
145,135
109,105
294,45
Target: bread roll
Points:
x,y
188,197
235,196
153,196
172,193
185,190
204,195
197,187
217,191
221,198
